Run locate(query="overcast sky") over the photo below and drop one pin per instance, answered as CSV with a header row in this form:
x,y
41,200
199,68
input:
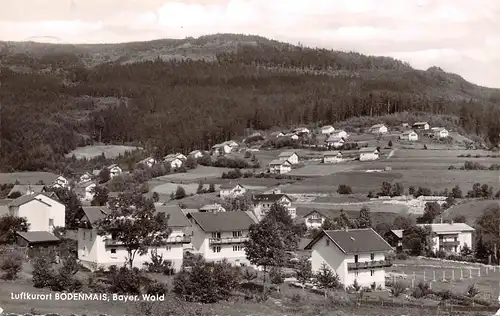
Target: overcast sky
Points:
x,y
461,36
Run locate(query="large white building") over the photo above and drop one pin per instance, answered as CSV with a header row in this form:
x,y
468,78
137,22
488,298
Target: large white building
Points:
x,y
379,129
409,136
231,190
368,154
42,211
450,237
357,254
280,166
102,251
262,204
218,236
289,156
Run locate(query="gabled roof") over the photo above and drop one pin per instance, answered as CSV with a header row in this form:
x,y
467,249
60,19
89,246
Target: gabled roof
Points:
x,y
112,166
377,126
368,150
331,153
272,198
95,213
230,185
398,232
23,188
195,151
222,222
170,159
420,123
277,162
448,227
36,237
220,145
177,217
354,241
28,198
287,154
408,132
327,127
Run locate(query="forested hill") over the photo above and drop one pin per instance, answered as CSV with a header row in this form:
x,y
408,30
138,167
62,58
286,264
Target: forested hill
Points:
x,y
192,93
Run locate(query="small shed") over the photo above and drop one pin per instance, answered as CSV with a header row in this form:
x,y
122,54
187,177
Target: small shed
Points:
x,y
37,241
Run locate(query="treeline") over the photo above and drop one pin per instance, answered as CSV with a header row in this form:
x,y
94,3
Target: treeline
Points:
x,y
186,105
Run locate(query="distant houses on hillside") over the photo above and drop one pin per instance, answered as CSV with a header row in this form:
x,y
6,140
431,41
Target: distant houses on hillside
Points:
x,y
409,135
378,129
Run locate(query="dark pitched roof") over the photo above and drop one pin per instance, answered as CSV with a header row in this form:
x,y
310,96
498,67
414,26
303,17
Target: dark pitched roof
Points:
x,y
272,198
28,198
229,185
222,221
354,241
95,213
23,188
35,237
177,217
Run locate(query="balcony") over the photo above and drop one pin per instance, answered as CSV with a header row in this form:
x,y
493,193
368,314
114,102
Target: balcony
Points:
x,y
227,240
168,241
368,265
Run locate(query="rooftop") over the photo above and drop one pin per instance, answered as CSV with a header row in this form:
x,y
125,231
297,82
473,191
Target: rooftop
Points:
x,y
354,241
273,197
442,228
223,221
177,217
34,237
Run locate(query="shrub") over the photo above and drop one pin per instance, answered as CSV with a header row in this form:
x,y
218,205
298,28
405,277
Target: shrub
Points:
x,y
43,274
125,281
398,288
11,264
65,280
249,274
158,264
156,288
421,290
402,256
344,189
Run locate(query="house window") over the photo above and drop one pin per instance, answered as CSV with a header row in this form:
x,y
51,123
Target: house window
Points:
x,y
113,253
356,273
84,235
168,248
238,248
51,222
372,256
327,242
215,235
216,249
90,235
356,258
237,234
372,272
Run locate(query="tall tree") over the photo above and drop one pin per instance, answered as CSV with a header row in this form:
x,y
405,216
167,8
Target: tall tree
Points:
x,y
364,219
9,225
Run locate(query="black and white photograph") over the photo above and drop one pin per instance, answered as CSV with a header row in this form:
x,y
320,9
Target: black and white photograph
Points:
x,y
250,158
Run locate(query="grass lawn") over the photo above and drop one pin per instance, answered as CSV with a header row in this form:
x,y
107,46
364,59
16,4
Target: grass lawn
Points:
x,y
375,207
200,173
110,151
447,179
318,169
470,209
251,182
424,154
28,177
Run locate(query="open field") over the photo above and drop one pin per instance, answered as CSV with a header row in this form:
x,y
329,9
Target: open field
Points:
x,y
375,207
255,182
486,280
200,173
424,154
109,151
319,169
28,177
377,217
470,209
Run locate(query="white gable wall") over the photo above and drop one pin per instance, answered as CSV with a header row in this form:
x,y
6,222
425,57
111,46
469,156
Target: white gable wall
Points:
x,y
57,210
37,214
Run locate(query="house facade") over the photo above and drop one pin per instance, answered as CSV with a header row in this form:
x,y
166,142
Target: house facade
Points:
x,y
314,220
379,129
114,170
368,154
262,204
196,154
42,212
339,134
335,142
221,150
231,190
174,163
148,162
219,236
302,130
327,130
441,133
85,177
291,156
450,237
332,157
292,136
357,254
101,251
280,166
60,183
85,190
421,126
409,136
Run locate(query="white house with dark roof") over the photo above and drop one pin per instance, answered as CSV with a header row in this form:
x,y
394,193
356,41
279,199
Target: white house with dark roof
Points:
x,y
262,204
218,236
196,154
409,136
378,129
327,130
368,154
148,162
292,135
87,176
279,166
35,239
114,170
42,211
25,189
339,134
173,162
302,130
421,126
291,156
231,190
332,157
85,190
101,251
441,133
335,142
173,156
60,183
221,149
357,254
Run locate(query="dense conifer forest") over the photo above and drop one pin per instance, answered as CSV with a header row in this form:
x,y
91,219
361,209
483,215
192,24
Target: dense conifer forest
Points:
x,y
189,94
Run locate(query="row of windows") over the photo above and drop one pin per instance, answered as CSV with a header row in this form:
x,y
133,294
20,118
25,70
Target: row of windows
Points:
x,y
235,234
217,249
372,273
356,257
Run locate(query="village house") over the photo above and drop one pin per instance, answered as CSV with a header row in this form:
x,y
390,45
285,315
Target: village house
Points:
x,y
148,162
292,136
60,183
173,162
42,211
339,134
218,236
314,219
395,238
196,154
262,204
378,129
440,133
301,131
353,254
421,126
291,156
85,190
280,166
212,208
25,189
231,190
221,149
409,136
276,134
335,142
85,177
114,170
102,251
368,154
327,130
37,241
173,156
332,157
231,143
